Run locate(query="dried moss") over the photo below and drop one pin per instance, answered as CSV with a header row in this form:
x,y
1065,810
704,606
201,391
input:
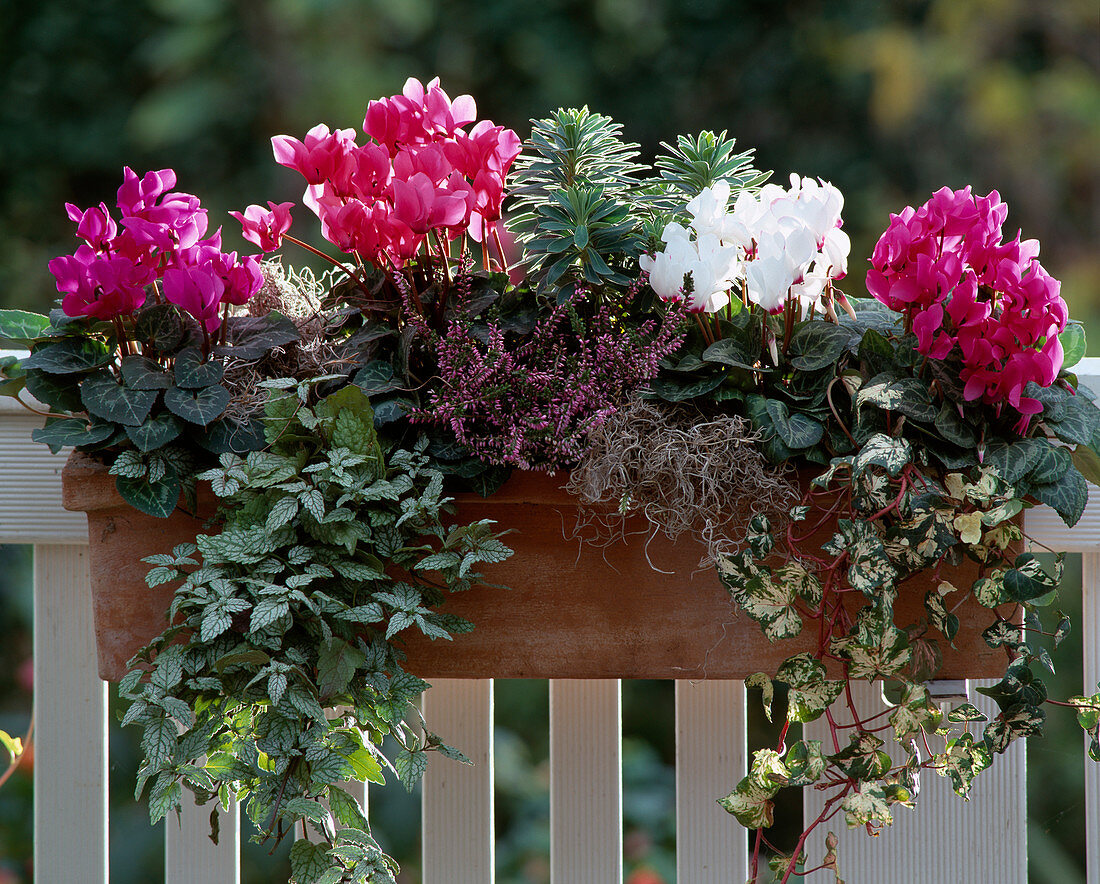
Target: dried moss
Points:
x,y
684,471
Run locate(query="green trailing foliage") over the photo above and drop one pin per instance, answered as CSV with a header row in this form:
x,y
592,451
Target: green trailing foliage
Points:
x,y
283,670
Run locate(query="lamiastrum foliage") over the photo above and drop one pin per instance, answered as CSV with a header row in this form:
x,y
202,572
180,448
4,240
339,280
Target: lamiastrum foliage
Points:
x,y
282,671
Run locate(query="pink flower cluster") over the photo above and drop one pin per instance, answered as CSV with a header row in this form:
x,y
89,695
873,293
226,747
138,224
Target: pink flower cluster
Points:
x,y
160,239
948,268
421,171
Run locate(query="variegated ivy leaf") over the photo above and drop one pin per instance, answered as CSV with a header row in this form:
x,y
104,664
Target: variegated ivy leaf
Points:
x,y
883,451
966,712
751,803
869,569
872,492
941,618
759,536
876,649
963,760
837,463
915,712
805,762
1021,720
990,590
768,769
763,681
801,581
1088,716
770,603
863,758
869,807
1029,582
810,692
1004,632
929,533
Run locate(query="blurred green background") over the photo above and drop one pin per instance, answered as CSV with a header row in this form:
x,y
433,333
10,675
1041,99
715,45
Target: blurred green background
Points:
x,y
889,101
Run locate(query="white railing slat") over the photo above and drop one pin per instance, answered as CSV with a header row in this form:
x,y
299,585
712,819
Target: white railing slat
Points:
x,y
945,838
586,781
457,832
1090,637
70,771
190,855
710,760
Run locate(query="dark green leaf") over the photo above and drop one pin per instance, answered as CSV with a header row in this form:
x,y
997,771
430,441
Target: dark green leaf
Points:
x,y
954,427
255,336
59,391
391,410
105,397
21,329
796,430
818,344
197,406
1067,496
69,355
727,351
159,325
377,377
156,499
64,432
157,431
192,373
225,435
141,373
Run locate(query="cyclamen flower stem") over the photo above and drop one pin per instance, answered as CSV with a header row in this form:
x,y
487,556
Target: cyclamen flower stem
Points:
x,y
500,248
703,328
348,270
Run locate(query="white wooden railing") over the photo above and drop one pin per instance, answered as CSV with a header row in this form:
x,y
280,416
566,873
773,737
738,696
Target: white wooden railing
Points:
x,y
982,840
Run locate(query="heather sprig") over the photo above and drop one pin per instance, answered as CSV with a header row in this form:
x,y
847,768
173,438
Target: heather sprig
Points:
x,y
532,405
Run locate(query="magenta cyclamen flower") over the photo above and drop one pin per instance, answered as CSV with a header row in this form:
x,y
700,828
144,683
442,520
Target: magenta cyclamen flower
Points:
x,y
422,172
946,266
160,234
265,228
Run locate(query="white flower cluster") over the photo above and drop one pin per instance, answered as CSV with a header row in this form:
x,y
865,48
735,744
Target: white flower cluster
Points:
x,y
781,244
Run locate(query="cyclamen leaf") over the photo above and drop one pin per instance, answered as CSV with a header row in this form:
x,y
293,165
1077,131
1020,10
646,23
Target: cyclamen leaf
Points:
x,y
19,328
155,432
105,397
71,432
201,406
68,356
192,373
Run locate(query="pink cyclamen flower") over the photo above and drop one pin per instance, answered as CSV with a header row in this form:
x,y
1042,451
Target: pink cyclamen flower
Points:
x,y
198,290
100,286
946,266
265,227
95,225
